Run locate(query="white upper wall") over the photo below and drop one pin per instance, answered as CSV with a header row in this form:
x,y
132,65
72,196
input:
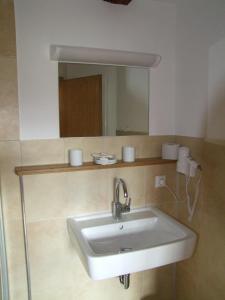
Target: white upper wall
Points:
x,y
144,25
200,24
216,101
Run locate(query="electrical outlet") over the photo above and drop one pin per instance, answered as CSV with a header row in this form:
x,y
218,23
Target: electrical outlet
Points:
x,y
160,181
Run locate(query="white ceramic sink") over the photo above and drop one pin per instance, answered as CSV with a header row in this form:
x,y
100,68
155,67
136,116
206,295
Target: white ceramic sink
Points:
x,y
143,239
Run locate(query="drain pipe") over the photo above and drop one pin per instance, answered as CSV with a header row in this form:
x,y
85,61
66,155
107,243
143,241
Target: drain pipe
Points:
x,y
125,280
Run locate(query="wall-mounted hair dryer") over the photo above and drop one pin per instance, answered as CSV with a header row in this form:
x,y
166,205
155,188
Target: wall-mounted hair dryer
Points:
x,y
185,164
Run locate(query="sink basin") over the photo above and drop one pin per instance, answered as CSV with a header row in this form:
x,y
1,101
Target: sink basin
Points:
x,y
143,239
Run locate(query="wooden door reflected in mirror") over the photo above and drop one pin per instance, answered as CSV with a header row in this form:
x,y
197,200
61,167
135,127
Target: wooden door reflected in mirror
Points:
x,y
80,106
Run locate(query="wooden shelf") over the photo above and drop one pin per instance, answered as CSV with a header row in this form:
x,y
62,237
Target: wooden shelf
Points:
x,y
59,168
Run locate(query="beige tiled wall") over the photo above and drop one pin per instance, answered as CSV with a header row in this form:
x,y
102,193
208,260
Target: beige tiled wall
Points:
x,y
9,115
56,271
10,150
202,277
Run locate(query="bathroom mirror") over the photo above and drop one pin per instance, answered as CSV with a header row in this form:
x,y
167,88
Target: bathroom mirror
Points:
x,y
103,100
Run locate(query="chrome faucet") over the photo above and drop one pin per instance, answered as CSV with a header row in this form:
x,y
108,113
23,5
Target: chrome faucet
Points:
x,y
117,207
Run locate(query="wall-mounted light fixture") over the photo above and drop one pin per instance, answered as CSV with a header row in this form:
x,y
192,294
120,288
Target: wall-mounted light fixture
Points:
x,y
103,56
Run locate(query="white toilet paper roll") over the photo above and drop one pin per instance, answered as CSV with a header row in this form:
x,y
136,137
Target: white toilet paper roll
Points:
x,y
128,153
76,157
170,151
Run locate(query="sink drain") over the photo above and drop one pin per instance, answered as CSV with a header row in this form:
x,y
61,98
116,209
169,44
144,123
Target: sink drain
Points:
x,y
125,249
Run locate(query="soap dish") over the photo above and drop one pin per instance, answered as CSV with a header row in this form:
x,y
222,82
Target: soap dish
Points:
x,y
104,158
